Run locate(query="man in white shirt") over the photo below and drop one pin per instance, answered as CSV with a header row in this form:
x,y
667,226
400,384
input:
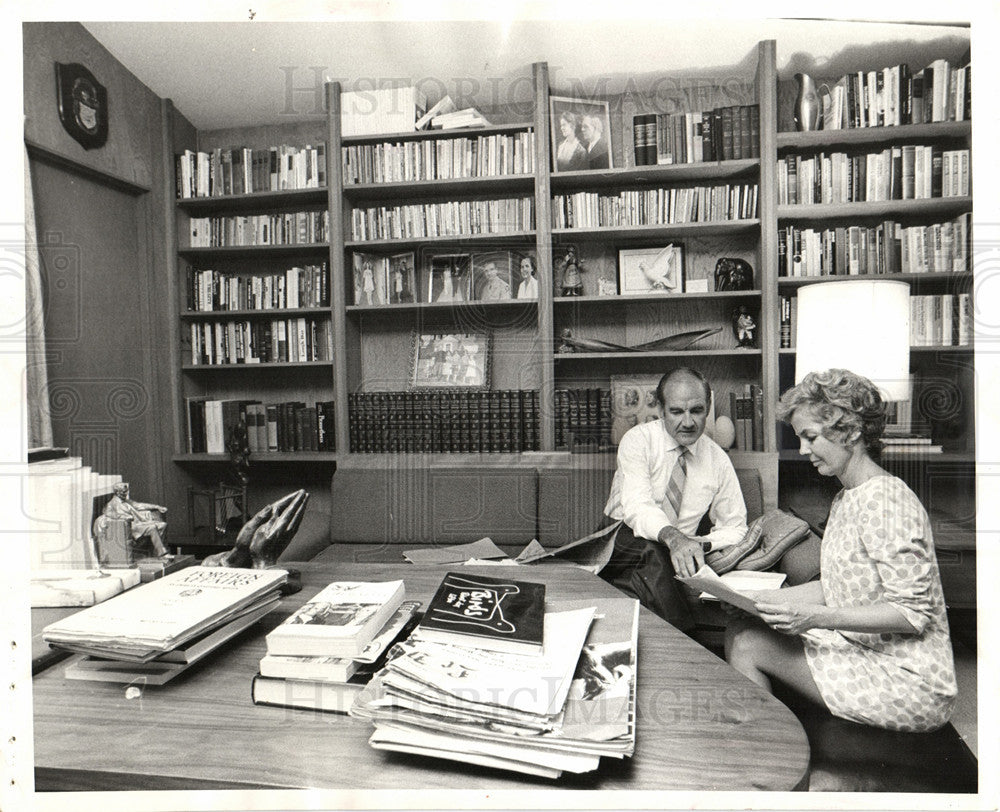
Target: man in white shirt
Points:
x,y
670,476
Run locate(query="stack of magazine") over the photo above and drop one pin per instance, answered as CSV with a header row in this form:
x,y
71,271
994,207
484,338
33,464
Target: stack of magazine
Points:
x,y
537,713
325,653
156,630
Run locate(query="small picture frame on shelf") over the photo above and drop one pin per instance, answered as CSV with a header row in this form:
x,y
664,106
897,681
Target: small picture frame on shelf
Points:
x,y
447,278
526,276
642,271
492,276
370,283
581,134
402,282
633,401
451,360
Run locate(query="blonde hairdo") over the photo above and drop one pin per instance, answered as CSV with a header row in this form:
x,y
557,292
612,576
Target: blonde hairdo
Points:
x,y
846,403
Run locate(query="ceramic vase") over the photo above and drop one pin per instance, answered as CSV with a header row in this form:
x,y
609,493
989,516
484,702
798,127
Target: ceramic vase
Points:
x,y
807,105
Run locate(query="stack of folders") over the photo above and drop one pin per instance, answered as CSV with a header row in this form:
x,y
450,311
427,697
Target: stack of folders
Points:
x,y
536,712
324,654
154,631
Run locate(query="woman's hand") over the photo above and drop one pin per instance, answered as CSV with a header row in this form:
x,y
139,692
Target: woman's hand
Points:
x,y
789,618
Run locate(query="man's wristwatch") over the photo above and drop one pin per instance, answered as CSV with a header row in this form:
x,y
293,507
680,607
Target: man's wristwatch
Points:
x,y
706,546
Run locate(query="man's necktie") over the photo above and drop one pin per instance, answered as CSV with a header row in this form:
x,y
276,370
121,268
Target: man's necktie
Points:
x,y
675,485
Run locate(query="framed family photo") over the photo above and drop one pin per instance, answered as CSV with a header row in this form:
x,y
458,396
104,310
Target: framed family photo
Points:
x,y
402,282
493,276
581,134
451,361
447,278
643,271
370,282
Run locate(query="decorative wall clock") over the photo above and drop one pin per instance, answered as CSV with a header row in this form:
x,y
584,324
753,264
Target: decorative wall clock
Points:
x,y
83,104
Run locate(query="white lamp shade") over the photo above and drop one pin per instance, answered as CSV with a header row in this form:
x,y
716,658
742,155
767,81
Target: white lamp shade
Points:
x,y
860,325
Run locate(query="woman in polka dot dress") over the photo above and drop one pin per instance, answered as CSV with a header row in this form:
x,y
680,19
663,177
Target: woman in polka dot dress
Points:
x,y
870,639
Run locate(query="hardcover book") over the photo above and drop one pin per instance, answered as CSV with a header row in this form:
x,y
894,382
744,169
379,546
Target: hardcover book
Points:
x,y
339,621
341,669
489,613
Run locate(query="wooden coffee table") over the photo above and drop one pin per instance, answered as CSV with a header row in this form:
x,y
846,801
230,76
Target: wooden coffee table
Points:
x,y
701,725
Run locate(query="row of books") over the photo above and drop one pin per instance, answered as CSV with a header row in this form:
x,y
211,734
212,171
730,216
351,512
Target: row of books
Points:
x,y
243,170
941,320
440,159
893,96
281,228
582,419
287,426
323,654
268,341
663,206
457,218
908,172
210,290
722,134
465,422
889,247
936,320
746,410
552,708
380,110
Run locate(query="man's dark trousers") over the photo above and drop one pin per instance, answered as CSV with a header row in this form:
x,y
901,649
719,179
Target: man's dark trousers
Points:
x,y
642,569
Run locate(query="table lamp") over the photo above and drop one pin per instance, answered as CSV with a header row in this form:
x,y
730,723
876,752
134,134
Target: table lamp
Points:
x,y
861,325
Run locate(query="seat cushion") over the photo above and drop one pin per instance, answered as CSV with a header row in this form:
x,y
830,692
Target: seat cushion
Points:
x,y
432,505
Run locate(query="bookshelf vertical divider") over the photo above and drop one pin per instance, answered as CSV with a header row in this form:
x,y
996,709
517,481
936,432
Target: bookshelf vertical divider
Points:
x,y
342,357
767,89
179,417
543,253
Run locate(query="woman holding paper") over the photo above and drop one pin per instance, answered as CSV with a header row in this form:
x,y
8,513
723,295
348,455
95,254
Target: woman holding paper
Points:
x,y
870,639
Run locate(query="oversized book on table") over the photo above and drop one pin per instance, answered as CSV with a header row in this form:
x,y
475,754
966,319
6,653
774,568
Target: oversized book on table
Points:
x,y
164,614
483,612
339,621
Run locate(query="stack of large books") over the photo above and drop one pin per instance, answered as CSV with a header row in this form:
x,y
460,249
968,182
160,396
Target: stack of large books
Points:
x,y
540,713
322,656
154,631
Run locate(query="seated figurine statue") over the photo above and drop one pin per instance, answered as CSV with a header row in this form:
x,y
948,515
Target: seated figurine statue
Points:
x,y
147,519
262,539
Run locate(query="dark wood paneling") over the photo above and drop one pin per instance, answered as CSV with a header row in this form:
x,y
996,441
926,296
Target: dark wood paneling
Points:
x,y
131,151
99,339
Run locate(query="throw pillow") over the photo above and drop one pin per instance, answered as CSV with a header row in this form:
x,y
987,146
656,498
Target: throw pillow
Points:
x,y
767,539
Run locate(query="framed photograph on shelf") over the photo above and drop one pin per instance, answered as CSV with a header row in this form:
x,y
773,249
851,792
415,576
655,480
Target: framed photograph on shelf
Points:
x,y
642,271
633,401
370,284
581,134
447,278
451,360
402,284
492,276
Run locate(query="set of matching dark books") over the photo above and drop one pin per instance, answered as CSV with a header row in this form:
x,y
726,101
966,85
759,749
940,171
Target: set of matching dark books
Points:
x,y
210,290
322,656
722,134
287,426
746,409
242,170
583,419
439,421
